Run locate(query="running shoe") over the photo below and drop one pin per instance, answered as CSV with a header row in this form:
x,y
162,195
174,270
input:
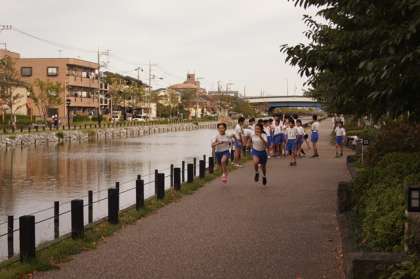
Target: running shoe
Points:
x,y
224,178
256,177
264,180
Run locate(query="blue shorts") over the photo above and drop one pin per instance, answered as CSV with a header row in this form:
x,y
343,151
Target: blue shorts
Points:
x,y
314,137
339,140
300,140
261,155
238,144
278,139
269,140
291,145
219,156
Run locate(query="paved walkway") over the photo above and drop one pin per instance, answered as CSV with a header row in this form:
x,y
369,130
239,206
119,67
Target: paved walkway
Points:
x,y
242,230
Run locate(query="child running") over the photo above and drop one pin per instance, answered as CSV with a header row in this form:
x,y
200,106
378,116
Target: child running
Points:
x,y
221,145
277,137
259,153
239,139
340,133
291,145
315,135
300,138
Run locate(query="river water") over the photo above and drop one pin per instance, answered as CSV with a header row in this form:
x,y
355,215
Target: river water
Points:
x,y
31,179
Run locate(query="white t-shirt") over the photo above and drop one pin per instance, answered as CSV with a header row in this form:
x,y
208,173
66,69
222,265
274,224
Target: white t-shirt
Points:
x,y
238,132
224,142
339,132
291,133
267,130
278,129
315,126
300,131
248,132
257,143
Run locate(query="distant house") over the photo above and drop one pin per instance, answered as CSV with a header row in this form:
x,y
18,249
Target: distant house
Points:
x,y
194,98
167,97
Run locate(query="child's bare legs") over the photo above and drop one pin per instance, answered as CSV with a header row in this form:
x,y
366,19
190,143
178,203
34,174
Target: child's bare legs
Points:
x,y
256,167
238,155
315,147
223,165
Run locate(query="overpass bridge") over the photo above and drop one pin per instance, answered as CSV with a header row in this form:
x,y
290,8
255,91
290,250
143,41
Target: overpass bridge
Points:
x,y
273,102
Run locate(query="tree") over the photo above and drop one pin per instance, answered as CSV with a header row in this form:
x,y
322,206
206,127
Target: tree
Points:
x,y
363,57
9,81
48,95
243,107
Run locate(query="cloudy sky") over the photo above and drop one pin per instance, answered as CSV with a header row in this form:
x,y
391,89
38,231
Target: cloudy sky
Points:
x,y
228,40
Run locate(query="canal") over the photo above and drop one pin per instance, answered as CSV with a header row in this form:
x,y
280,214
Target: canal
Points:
x,y
31,179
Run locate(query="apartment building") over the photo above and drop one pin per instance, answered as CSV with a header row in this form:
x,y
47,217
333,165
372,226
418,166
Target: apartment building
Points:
x,y
79,79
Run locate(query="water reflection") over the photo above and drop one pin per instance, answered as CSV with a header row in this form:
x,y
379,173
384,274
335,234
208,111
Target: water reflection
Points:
x,y
32,178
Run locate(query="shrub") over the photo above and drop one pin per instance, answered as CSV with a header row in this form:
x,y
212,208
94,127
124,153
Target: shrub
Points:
x,y
81,118
395,136
379,200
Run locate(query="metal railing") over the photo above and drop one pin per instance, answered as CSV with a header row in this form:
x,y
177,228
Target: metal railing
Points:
x,y
69,218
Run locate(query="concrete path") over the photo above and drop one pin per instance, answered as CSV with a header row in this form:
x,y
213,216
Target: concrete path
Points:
x,y
243,230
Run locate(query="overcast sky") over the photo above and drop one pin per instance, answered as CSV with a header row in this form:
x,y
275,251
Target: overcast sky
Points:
x,y
227,40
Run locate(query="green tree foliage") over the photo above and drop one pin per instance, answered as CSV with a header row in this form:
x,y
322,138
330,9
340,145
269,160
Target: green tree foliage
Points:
x,y
48,95
9,81
363,56
243,107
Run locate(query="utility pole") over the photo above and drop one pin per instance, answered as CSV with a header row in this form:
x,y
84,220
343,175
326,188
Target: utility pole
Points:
x,y
150,87
287,86
4,27
100,53
138,69
219,93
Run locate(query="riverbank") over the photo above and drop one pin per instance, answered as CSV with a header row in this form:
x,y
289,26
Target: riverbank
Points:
x,y
60,251
87,133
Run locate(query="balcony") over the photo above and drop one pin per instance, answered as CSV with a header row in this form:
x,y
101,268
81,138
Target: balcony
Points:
x,y
83,102
82,82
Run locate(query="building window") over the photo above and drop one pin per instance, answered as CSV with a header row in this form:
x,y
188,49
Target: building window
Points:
x,y
52,71
26,71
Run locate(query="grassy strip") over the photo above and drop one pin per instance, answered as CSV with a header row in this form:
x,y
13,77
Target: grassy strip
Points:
x,y
59,252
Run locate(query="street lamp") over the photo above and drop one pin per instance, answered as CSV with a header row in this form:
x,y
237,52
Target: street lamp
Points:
x,y
68,102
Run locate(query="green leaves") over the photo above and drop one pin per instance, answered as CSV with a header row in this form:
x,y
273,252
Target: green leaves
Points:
x,y
363,56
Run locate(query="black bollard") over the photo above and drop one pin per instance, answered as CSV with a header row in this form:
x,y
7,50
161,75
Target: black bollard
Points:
x,y
211,165
232,155
190,173
161,186
10,247
204,158
183,172
156,182
113,206
195,167
56,219
171,177
117,186
202,168
27,237
77,220
139,194
177,179
90,207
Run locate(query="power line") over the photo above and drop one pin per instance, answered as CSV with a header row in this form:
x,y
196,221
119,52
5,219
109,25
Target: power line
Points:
x,y
52,42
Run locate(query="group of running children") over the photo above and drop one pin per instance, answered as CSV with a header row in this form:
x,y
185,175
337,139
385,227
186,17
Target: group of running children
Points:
x,y
282,136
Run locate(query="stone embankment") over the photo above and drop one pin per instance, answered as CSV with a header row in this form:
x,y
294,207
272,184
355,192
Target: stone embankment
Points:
x,y
79,136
